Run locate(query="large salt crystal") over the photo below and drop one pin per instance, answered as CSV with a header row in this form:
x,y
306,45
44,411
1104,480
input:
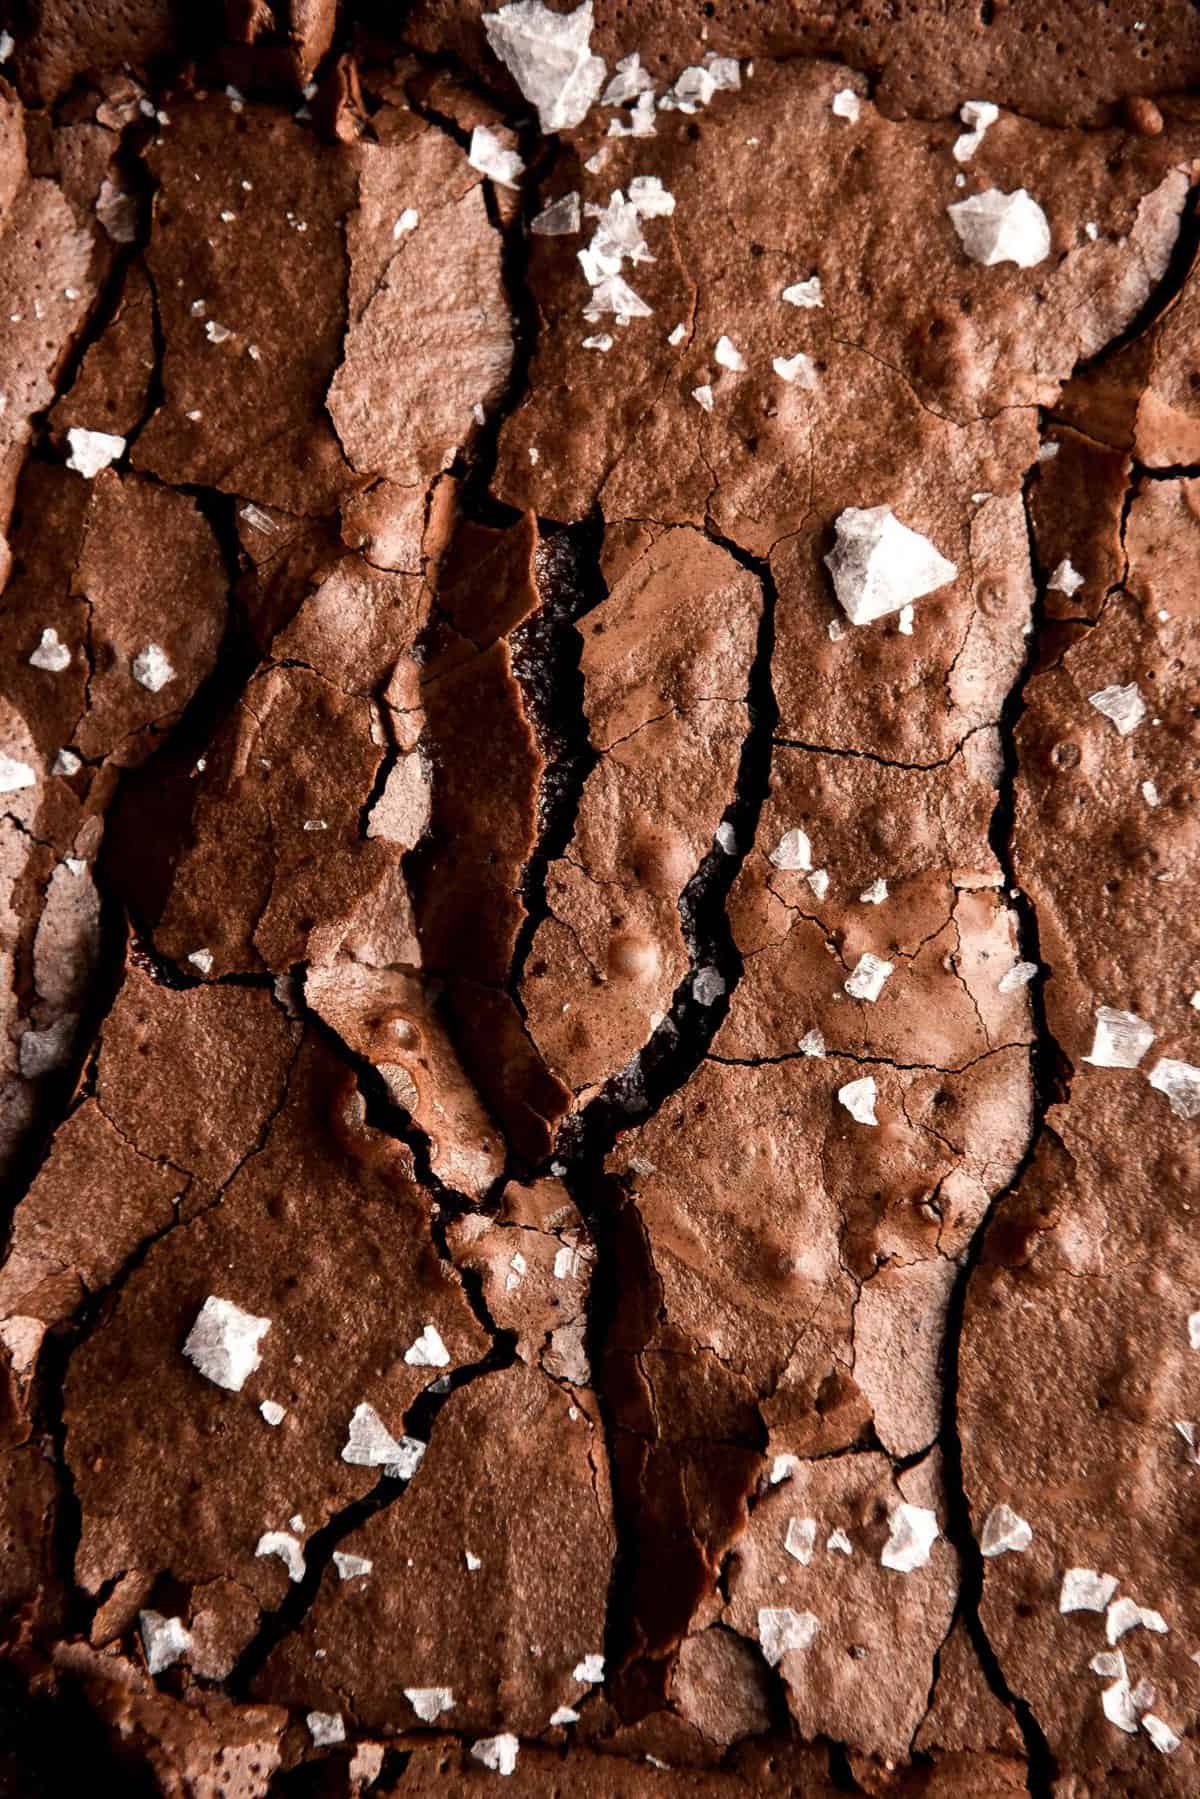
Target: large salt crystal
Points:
x,y
781,1629
914,1530
1160,1734
278,1542
428,1351
548,54
1121,1039
1123,705
997,227
429,1702
800,1539
15,775
628,81
223,1343
370,1444
858,1097
878,565
326,1729
51,655
793,851
498,1754
1083,1590
560,218
590,1669
1004,1531
1180,1081
867,978
165,1640
151,668
1124,1615
804,293
92,451
351,1567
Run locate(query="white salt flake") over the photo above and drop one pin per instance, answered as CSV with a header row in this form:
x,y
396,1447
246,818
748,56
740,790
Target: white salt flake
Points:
x,y
278,1542
165,1640
408,221
1180,1081
641,119
1004,1532
351,1567
223,1343
489,156
914,1530
1150,793
806,294
708,986
728,355
316,824
326,1729
370,1444
875,894
1092,230
858,1097
836,630
65,763
837,1541
474,1564
1019,975
1123,705
601,341
867,977
7,45
1160,1734
800,1539
216,334
272,1411
847,105
612,293
1066,577
904,623
151,669
995,227
818,880
1083,1590
560,219
498,1754
649,198
41,1052
797,370
629,79
429,1702
780,1629
1188,1432
1121,1039
590,1669
50,654
811,1044
676,337
1110,1663
793,851
878,565
784,1466
977,116
548,54
1126,1614
428,1351
92,451
516,1272
725,838
14,775
703,396
1119,1708
201,959
1047,452
564,1715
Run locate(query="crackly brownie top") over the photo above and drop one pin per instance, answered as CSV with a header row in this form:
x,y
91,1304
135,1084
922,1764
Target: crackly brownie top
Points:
x,y
600,996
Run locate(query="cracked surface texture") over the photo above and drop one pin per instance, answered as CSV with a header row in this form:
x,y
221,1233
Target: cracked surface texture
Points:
x,y
599,1161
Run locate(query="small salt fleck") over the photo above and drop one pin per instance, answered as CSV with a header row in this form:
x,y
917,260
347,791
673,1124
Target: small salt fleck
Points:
x,y
914,1530
798,370
858,1097
1092,230
726,839
804,293
92,451
50,654
223,1343
703,396
66,763
601,341
793,851
784,1466
254,353
259,520
151,669
7,45
977,116
728,356
590,1669
1019,975
818,880
875,894
811,1044
1066,578
780,1630
498,1754
1109,1663
488,155
800,1539
272,1411
1160,1734
74,865
315,824
227,218
1180,1081
1047,452
371,1445
1083,1590
562,218
195,414
995,227
1124,1615
326,1729
516,1272
165,1640
1121,1039
676,337
428,1351
846,104
839,1541
351,1567
201,959
429,1702
278,1542
1123,705
904,624
473,1562
867,978
1150,793
564,1715
708,986
836,630
1004,1531
1119,1708
409,219
216,334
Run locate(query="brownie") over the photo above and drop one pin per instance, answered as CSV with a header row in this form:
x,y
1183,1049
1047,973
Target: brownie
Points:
x,y
600,1052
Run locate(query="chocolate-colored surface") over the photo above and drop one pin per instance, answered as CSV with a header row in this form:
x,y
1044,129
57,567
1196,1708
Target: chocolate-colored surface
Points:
x,y
633,1047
